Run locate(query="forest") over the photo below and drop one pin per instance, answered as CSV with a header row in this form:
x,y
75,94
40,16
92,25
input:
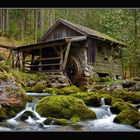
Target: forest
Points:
x,y
28,25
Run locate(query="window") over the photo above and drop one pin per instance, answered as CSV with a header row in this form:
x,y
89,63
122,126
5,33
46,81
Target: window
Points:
x,y
57,35
91,53
106,59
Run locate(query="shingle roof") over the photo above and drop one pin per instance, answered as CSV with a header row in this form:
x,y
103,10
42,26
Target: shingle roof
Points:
x,y
86,31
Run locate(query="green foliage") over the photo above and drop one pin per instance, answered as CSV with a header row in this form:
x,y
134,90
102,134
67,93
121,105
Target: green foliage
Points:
x,y
24,78
64,107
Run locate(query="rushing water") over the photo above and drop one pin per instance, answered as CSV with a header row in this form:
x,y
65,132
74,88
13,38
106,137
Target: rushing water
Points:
x,y
34,122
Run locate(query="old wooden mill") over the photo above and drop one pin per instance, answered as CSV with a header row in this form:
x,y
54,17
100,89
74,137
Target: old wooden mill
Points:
x,y
72,49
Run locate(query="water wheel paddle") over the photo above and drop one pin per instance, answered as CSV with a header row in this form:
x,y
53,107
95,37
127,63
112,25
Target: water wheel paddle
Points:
x,y
73,69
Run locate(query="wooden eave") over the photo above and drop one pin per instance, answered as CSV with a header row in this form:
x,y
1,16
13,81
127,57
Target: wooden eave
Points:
x,y
82,31
50,43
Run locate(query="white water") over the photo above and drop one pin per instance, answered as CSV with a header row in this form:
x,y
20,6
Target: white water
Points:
x,y
17,123
104,121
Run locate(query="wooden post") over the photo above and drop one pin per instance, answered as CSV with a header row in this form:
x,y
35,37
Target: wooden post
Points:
x,y
23,60
61,55
66,55
10,54
13,59
40,57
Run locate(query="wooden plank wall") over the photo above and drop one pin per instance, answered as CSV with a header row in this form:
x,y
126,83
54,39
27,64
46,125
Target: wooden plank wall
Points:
x,y
105,62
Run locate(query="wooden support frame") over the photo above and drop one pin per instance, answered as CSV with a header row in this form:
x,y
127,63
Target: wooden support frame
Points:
x,y
66,55
61,56
40,57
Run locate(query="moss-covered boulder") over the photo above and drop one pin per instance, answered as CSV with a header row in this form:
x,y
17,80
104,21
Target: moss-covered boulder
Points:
x,y
70,90
63,91
53,91
120,106
2,114
55,121
40,86
126,96
26,114
130,117
89,98
64,107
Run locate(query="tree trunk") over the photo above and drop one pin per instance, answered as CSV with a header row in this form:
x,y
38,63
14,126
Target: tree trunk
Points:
x,y
35,25
41,22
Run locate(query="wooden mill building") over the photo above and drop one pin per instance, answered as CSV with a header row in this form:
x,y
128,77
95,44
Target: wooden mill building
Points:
x,y
74,50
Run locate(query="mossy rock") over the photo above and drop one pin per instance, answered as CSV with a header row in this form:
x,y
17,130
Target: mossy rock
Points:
x,y
12,110
39,87
28,89
26,114
128,116
69,90
64,107
115,100
120,106
2,114
53,91
127,96
93,101
55,121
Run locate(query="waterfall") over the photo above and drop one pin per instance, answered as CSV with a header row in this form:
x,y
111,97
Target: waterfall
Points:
x,y
102,101
100,112
31,120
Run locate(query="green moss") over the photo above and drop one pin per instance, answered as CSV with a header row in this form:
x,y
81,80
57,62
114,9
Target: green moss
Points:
x,y
53,91
115,100
69,90
127,96
130,117
39,87
3,77
63,91
2,114
24,77
120,106
64,107
61,122
89,98
56,121
75,119
28,89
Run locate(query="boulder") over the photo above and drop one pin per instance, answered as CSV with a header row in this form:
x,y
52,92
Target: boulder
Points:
x,y
120,106
128,83
64,107
130,117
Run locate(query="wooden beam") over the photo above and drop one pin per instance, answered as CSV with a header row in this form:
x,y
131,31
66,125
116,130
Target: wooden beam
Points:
x,y
40,57
66,55
30,48
44,59
74,39
61,56
13,59
58,53
44,65
10,53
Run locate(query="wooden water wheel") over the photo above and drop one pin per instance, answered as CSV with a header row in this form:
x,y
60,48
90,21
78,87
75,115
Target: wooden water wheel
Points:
x,y
73,69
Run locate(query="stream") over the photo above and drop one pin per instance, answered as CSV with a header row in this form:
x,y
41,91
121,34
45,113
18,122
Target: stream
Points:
x,y
34,122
